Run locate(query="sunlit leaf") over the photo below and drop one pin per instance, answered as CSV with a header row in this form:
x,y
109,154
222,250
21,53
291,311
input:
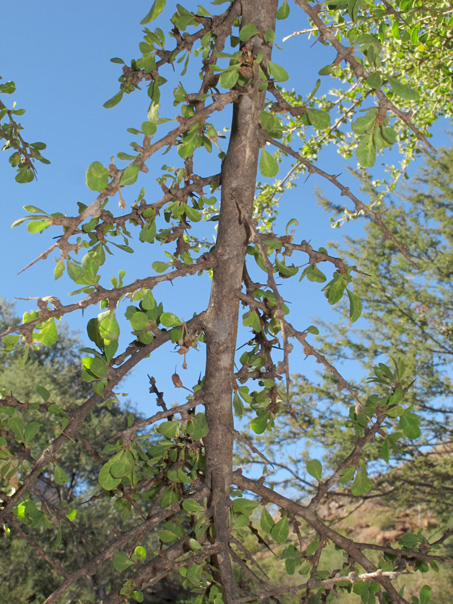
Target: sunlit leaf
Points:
x,y
355,306
277,72
97,177
155,11
366,152
402,90
129,175
268,164
60,476
283,11
314,468
280,531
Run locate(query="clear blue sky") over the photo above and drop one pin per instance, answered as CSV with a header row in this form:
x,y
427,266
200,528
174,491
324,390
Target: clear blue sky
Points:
x,y
58,54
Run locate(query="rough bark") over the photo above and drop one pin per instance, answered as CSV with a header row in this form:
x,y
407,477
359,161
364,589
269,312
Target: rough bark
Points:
x,y
238,190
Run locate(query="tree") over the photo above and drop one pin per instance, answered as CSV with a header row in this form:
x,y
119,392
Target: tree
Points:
x,y
407,312
53,372
188,494
408,316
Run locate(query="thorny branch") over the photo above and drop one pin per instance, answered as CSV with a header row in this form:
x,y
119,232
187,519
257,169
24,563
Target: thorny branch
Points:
x,y
218,326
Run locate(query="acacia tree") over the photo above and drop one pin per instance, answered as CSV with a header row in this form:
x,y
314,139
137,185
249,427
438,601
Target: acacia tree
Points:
x,y
184,489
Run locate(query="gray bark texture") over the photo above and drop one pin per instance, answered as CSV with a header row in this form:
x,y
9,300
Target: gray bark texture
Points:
x,y
238,190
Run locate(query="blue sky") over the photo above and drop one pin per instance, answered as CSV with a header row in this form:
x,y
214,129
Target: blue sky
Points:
x,y
58,53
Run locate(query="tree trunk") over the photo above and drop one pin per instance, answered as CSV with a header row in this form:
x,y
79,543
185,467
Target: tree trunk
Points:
x,y
238,190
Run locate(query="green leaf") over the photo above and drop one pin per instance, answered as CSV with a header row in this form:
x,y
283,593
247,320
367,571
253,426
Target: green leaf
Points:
x,y
60,476
283,11
108,326
314,274
193,507
410,424
389,134
402,90
355,306
94,333
244,506
353,9
365,123
314,468
37,226
130,175
425,594
105,479
169,319
326,70
98,367
59,269
8,87
114,100
361,485
148,302
194,545
269,36
121,561
251,319
139,321
374,80
280,532
361,588
149,128
140,553
277,72
247,32
97,177
268,165
148,232
259,423
336,290
167,536
313,329
43,393
285,271
48,333
34,210
271,124
198,427
122,465
366,152
126,156
228,79
71,515
160,267
31,431
312,547
191,213
25,175
347,475
168,429
319,119
267,522
155,11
